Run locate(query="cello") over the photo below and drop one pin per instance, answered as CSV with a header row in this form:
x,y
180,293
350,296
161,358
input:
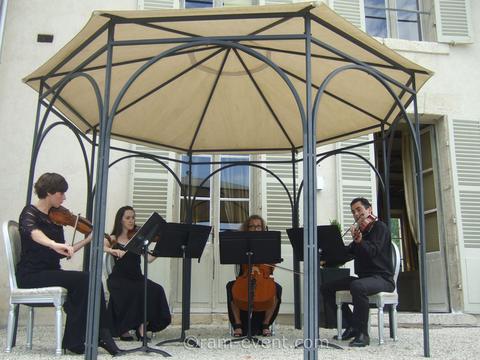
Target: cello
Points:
x,y
263,288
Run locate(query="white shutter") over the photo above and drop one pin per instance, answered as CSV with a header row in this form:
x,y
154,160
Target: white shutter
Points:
x,y
467,154
356,179
351,10
158,4
454,21
278,213
151,186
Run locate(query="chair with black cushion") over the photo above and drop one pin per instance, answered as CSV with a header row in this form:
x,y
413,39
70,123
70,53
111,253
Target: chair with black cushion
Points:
x,y
379,300
37,297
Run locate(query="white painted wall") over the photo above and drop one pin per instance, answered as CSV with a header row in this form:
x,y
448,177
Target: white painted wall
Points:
x,y
452,92
60,153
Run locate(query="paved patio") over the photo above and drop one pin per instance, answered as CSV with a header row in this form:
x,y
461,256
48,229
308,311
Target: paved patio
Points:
x,y
447,342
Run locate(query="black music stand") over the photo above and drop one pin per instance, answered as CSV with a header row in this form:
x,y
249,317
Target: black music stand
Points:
x,y
330,248
250,247
138,244
185,241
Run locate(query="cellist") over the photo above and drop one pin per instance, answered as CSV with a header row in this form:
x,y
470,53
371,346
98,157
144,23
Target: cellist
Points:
x,y
261,320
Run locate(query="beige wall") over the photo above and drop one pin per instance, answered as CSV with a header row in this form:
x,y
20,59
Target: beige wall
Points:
x,y
60,153
451,93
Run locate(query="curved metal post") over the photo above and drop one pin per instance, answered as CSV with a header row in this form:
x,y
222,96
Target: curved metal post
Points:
x,y
34,153
421,232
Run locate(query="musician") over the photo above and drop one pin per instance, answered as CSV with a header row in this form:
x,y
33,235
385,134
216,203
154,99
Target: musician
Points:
x,y
43,245
372,254
261,320
126,285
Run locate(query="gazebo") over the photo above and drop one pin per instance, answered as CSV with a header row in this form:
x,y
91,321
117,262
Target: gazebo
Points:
x,y
257,79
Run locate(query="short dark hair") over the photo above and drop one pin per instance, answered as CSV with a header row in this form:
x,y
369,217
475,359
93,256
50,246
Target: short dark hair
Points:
x,y
117,226
245,224
50,183
366,204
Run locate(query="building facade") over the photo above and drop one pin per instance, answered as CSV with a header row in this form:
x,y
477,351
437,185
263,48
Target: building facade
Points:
x,y
439,35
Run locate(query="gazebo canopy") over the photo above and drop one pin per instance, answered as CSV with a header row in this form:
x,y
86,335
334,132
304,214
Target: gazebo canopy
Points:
x,y
209,97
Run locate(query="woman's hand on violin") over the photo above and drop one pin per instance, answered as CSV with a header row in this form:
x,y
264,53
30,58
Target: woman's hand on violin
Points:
x,y
117,253
63,249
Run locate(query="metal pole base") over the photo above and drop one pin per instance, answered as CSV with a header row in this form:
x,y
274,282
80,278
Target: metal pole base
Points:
x,y
147,349
252,339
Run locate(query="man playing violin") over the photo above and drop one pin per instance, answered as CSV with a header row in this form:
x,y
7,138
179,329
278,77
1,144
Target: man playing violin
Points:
x,y
371,250
261,320
43,245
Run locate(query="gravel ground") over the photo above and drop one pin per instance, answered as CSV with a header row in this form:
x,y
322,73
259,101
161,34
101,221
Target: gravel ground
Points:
x,y
445,343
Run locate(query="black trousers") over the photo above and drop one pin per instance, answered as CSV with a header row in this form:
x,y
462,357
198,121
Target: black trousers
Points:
x,y
75,306
360,288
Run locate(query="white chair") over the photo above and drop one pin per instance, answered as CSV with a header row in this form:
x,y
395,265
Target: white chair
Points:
x,y
379,300
45,296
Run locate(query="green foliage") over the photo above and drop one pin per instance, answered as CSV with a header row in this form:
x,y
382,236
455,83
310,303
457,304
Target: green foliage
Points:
x,y
336,223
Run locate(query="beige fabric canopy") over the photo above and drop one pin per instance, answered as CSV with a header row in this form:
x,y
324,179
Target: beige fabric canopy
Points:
x,y
211,98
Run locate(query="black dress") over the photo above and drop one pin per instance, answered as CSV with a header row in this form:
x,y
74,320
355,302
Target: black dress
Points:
x,y
257,316
125,306
39,266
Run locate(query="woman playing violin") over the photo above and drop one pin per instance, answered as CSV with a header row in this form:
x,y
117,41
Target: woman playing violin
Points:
x,y
43,245
126,283
261,320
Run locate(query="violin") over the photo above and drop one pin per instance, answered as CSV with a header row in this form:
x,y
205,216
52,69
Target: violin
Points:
x,y
264,289
366,224
63,216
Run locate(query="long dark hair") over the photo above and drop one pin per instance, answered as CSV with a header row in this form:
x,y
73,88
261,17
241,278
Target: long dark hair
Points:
x,y
117,226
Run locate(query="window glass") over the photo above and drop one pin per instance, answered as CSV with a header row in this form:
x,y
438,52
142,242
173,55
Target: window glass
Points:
x,y
408,21
198,3
376,18
234,193
199,189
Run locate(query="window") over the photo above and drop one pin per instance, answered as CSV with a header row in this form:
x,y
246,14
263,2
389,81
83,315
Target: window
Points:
x,y
198,3
201,206
234,193
399,19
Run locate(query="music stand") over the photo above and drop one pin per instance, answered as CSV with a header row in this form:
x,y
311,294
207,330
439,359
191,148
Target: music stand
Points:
x,y
185,241
138,244
330,248
250,247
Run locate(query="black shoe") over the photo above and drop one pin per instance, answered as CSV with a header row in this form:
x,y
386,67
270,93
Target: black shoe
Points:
x,y
127,338
106,342
140,337
349,333
360,341
79,350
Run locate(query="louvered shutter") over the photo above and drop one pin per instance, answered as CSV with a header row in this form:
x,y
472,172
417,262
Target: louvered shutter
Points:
x,y
352,10
151,187
454,21
467,155
278,209
158,4
356,179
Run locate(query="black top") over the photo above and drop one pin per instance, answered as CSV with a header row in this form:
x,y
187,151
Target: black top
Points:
x,y
34,256
373,255
127,266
